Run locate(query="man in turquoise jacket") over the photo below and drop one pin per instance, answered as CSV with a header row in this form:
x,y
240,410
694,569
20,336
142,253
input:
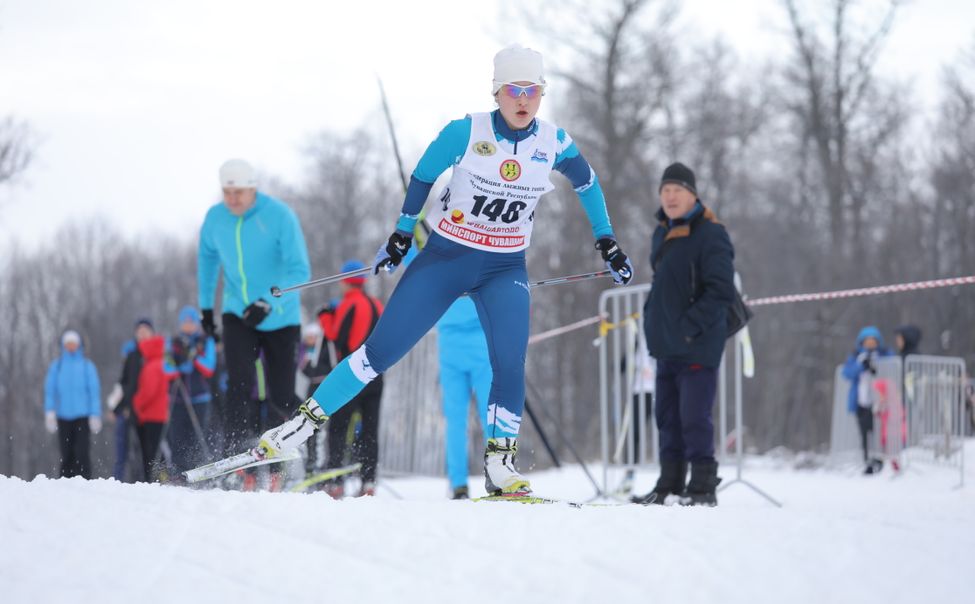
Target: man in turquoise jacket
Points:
x,y
257,242
72,406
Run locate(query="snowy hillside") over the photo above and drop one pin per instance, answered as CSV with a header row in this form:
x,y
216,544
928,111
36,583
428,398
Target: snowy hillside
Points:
x,y
840,537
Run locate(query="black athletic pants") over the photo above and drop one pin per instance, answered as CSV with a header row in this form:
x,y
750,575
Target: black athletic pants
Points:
x,y
74,437
242,347
150,436
365,447
865,423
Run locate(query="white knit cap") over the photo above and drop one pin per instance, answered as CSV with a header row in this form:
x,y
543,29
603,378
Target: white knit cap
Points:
x,y
311,329
237,174
71,336
516,63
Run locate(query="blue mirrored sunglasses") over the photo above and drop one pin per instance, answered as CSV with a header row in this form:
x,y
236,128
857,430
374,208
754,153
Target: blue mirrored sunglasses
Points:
x,y
514,90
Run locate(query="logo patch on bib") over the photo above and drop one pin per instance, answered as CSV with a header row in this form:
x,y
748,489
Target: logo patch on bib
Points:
x,y
540,156
457,217
484,148
510,170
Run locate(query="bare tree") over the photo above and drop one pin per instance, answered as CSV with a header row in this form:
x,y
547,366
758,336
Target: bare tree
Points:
x,y
16,148
833,77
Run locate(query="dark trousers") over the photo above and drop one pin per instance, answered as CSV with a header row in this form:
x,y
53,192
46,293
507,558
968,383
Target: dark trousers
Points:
x,y
121,446
242,348
365,445
865,424
182,437
74,437
685,398
150,435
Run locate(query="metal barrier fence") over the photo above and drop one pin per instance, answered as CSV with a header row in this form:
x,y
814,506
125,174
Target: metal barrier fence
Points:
x,y
934,393
627,438
919,413
411,425
626,441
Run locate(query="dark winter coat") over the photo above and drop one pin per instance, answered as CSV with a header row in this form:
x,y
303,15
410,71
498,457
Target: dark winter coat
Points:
x,y
685,315
129,379
151,399
912,339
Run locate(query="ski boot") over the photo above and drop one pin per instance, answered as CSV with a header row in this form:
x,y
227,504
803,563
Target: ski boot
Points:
x,y
500,475
701,489
461,492
673,476
368,489
293,432
334,489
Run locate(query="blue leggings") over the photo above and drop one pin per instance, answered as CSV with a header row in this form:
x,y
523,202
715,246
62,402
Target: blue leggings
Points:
x,y
464,368
441,273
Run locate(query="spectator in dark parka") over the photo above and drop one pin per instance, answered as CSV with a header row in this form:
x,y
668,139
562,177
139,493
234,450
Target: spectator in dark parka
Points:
x,y
72,405
685,322
907,338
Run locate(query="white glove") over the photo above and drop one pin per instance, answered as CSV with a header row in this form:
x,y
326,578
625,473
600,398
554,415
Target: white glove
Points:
x,y
95,424
51,422
293,432
114,397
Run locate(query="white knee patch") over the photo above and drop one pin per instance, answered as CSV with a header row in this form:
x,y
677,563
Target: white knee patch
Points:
x,y
360,365
503,419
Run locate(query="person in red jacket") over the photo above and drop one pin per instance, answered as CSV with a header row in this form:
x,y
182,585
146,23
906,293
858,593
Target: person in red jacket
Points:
x,y
150,403
348,325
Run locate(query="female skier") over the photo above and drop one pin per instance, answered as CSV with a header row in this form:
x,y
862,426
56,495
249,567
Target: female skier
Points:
x,y
481,227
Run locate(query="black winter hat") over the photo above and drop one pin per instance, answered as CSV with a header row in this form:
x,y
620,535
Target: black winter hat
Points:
x,y
679,174
144,321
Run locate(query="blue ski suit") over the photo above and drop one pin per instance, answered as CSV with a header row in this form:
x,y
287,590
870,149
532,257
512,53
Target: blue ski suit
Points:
x,y
496,281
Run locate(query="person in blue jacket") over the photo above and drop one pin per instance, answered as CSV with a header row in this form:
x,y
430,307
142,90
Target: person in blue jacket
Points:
x,y
256,240
465,368
482,223
72,405
194,355
861,369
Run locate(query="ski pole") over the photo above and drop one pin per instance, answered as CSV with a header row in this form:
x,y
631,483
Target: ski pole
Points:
x,y
277,291
571,278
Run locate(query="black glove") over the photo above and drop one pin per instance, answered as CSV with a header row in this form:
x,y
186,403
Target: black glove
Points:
x,y
392,254
616,260
177,347
208,325
866,361
256,312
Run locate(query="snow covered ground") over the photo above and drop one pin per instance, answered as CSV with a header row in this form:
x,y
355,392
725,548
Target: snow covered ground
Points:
x,y
840,537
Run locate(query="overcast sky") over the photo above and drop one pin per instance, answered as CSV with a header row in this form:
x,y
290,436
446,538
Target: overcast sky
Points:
x,y
136,104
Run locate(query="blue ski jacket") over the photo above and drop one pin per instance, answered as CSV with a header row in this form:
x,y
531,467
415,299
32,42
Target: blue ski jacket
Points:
x,y
71,388
263,248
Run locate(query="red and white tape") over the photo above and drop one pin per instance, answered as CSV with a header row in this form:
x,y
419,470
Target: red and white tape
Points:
x,y
863,291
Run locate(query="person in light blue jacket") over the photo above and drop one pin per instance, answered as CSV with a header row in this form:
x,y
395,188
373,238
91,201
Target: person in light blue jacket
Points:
x,y
465,367
72,405
256,240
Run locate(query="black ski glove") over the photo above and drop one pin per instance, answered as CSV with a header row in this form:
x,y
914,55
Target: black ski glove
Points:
x,y
256,312
616,260
389,256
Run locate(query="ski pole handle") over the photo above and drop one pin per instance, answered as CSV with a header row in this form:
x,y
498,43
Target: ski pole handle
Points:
x,y
277,291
